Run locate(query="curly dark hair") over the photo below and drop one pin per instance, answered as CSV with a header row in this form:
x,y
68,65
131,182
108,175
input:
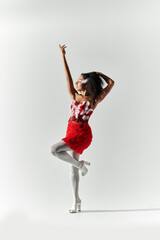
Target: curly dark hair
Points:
x,y
94,86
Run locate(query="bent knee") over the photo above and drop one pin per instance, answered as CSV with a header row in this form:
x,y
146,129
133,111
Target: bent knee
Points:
x,y
53,150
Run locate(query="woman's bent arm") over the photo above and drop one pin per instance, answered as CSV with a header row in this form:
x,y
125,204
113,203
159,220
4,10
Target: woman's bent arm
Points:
x,y
106,78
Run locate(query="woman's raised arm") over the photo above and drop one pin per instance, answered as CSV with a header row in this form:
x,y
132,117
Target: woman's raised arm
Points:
x,y
70,85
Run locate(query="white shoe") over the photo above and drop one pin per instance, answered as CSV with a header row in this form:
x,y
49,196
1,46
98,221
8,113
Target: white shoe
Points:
x,y
76,208
83,169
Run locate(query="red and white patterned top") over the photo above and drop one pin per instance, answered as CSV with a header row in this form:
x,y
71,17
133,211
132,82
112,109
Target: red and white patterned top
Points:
x,y
80,112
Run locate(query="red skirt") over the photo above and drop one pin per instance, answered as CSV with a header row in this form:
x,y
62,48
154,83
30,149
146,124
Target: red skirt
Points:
x,y
78,136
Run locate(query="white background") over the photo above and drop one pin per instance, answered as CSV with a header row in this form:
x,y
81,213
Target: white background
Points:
x,y
118,38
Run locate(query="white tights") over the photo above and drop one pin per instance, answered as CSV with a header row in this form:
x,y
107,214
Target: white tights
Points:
x,y
59,150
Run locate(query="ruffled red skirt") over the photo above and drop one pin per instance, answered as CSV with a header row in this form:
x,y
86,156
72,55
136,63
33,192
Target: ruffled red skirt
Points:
x,y
78,136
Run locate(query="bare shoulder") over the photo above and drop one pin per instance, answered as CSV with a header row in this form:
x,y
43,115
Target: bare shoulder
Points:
x,y
79,97
76,96
73,95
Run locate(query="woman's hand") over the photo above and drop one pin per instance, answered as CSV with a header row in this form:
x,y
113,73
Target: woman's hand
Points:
x,y
62,48
99,73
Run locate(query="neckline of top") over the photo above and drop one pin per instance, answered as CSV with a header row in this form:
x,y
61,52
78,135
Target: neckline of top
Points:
x,y
83,102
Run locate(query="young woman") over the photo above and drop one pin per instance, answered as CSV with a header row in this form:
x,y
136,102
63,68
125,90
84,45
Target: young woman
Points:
x,y
79,134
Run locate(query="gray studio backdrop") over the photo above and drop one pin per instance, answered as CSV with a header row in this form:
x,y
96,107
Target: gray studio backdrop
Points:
x,y
118,38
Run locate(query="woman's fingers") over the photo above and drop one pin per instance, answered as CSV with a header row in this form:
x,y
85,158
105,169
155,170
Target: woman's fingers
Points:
x,y
62,49
62,46
98,73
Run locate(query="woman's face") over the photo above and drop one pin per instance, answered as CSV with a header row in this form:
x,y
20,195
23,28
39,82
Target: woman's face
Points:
x,y
79,84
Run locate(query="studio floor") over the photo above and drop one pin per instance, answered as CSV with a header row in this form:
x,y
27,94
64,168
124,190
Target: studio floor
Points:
x,y
88,224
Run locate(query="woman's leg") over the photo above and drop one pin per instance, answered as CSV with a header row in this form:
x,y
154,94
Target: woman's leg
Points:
x,y
75,178
60,150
